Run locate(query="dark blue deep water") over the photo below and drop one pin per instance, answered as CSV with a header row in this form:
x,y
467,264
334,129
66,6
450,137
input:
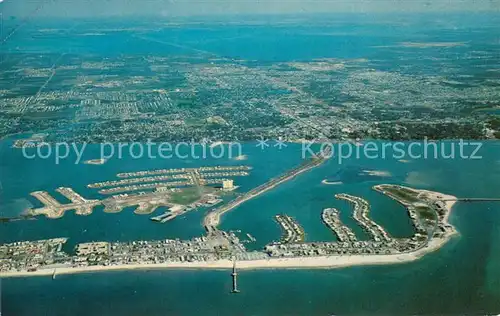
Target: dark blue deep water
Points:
x,y
461,278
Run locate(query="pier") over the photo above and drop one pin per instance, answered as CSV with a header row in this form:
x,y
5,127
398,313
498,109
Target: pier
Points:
x,y
156,185
163,217
219,248
172,213
234,275
473,200
17,218
183,170
192,178
146,186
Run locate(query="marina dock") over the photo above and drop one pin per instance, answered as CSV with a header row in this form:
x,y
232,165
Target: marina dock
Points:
x,y
331,218
360,214
293,232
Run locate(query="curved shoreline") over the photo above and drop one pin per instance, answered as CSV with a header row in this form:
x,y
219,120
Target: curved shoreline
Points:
x,y
319,262
212,219
311,262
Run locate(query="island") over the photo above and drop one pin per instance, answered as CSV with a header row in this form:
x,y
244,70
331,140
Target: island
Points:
x,y
429,212
95,161
179,189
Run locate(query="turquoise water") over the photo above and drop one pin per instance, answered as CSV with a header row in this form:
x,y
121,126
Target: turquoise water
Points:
x,y
21,176
462,277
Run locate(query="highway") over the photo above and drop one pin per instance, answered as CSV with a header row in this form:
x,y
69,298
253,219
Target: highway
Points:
x,y
212,219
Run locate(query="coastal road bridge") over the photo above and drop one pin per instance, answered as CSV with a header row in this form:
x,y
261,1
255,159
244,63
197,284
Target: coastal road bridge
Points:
x,y
473,200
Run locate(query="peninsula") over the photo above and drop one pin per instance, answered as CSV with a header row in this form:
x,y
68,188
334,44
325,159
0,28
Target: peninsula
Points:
x,y
213,218
428,210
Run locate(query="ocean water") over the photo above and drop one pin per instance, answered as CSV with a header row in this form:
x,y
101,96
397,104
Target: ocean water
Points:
x,y
20,176
461,277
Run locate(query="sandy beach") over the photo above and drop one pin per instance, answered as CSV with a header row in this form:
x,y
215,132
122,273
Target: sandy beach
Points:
x,y
320,262
331,182
378,173
450,201
325,262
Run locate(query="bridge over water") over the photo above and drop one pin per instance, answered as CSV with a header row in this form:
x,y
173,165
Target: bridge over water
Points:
x,y
473,200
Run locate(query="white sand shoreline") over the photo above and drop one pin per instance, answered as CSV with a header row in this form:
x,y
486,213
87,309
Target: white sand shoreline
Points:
x,y
319,262
325,181
316,262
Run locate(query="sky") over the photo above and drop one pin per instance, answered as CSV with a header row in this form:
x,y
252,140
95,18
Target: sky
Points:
x,y
90,8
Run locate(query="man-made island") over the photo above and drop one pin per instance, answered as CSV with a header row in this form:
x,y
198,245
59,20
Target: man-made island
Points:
x,y
429,212
178,189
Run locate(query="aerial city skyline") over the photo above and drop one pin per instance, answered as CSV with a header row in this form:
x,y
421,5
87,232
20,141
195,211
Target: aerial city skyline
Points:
x,y
250,158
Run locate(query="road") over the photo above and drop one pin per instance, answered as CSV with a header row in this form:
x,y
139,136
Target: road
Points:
x,y
212,219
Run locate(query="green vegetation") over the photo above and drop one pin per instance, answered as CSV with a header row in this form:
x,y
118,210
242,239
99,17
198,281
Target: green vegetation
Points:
x,y
403,194
190,97
194,122
186,196
426,213
494,122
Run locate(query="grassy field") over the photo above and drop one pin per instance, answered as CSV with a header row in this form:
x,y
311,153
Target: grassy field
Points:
x,y
186,196
404,194
426,213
